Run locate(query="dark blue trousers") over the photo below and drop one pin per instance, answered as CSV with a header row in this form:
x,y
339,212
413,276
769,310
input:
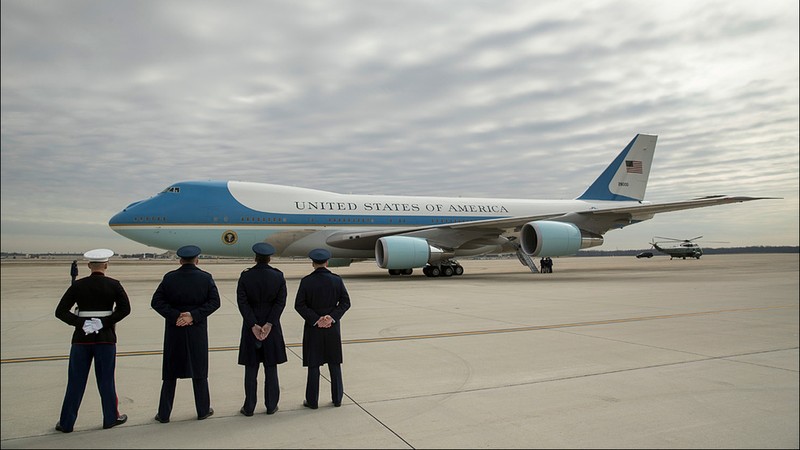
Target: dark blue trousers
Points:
x,y
312,384
202,398
272,390
80,361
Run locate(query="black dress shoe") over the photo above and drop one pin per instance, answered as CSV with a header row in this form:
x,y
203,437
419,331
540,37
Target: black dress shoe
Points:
x,y
337,404
245,413
309,405
120,420
273,411
58,428
159,419
208,414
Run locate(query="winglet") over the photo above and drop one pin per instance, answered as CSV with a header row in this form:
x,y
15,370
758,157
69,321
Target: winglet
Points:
x,y
625,179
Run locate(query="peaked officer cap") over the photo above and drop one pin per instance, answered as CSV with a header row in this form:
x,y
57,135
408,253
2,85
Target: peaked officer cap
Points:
x,y
188,251
99,255
263,249
319,255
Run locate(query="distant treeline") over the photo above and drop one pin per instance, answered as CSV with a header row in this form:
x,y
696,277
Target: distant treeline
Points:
x,y
706,251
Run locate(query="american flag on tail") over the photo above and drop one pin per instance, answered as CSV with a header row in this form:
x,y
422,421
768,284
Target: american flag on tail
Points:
x,y
633,166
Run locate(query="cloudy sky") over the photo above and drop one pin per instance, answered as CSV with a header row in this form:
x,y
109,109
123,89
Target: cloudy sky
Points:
x,y
105,103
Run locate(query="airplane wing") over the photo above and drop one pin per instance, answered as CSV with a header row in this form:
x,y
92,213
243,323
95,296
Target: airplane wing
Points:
x,y
653,208
490,231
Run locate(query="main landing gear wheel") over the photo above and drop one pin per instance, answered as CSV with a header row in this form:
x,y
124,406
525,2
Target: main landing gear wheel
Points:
x,y
431,271
444,270
397,272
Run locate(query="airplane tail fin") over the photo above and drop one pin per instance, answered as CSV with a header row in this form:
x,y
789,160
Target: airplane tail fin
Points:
x,y
625,179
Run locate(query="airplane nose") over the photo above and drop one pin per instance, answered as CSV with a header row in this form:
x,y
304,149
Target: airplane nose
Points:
x,y
123,217
118,219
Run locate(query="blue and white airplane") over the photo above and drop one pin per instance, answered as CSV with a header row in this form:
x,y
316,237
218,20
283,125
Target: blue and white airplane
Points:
x,y
401,233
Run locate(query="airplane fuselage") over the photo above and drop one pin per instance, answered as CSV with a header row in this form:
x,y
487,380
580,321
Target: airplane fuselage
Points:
x,y
229,217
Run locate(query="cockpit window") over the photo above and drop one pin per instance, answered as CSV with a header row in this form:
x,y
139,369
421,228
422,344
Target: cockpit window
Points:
x,y
173,189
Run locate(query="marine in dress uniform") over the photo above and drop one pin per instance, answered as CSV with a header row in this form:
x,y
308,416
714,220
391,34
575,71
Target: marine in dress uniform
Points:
x,y
185,298
101,303
322,300
261,296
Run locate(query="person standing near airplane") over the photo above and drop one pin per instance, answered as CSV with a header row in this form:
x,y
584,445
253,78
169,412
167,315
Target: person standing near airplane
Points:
x,y
261,296
185,298
322,300
73,271
101,303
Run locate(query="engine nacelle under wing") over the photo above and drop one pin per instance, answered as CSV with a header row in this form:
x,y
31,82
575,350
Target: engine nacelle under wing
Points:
x,y
340,262
549,238
404,252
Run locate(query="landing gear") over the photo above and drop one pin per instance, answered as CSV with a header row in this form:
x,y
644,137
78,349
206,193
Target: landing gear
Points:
x,y
432,271
447,269
443,270
397,272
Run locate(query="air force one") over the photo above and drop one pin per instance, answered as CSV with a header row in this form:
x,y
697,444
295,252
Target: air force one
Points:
x,y
400,233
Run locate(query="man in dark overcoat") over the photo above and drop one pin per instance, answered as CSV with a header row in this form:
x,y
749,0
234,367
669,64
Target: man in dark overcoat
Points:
x,y
73,271
261,296
101,302
322,300
185,298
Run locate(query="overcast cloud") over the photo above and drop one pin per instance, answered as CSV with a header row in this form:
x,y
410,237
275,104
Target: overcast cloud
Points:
x,y
106,103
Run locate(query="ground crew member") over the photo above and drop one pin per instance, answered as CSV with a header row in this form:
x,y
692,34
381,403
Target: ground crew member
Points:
x,y
73,271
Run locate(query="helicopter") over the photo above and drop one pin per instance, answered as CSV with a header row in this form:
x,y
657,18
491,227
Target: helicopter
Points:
x,y
678,248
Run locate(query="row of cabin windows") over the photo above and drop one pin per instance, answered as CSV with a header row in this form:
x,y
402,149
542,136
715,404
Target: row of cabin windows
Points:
x,y
263,219
350,220
283,220
448,220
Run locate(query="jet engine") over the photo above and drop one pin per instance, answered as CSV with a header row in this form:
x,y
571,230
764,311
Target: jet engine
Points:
x,y
404,252
548,238
340,262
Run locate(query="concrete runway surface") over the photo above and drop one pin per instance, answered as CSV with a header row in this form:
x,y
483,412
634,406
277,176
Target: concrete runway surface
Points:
x,y
606,352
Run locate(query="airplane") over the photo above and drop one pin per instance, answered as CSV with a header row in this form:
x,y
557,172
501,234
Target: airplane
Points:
x,y
401,233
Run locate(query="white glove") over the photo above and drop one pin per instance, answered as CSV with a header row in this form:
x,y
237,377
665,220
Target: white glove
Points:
x,y
98,324
93,325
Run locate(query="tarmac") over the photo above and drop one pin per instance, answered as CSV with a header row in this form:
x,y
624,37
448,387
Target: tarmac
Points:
x,y
605,352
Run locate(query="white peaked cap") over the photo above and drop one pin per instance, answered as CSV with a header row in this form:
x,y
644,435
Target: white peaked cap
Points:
x,y
99,255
